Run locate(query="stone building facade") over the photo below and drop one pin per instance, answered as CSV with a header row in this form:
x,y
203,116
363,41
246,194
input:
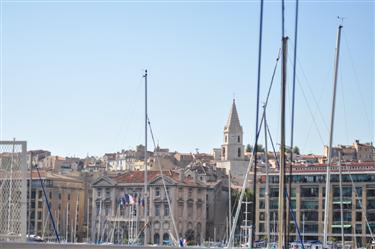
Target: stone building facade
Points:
x,y
67,199
118,205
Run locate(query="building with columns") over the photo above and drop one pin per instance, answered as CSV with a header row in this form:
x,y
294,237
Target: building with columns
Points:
x,y
119,207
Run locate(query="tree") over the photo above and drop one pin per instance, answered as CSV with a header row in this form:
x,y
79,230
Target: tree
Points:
x,y
260,148
249,148
296,150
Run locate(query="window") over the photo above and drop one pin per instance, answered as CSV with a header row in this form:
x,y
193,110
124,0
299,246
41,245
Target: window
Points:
x,y
157,210
156,238
262,216
190,192
223,152
261,227
33,194
358,228
190,210
309,205
309,216
358,216
261,204
166,210
157,191
99,193
68,197
309,192
239,139
226,138
262,192
239,152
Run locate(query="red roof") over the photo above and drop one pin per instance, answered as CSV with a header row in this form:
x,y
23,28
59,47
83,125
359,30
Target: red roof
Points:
x,y
138,177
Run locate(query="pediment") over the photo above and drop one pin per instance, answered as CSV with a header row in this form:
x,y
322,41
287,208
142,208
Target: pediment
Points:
x,y
104,181
159,181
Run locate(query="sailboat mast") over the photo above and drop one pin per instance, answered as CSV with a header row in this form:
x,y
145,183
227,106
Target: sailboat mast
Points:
x,y
229,203
341,205
267,180
145,162
328,175
281,211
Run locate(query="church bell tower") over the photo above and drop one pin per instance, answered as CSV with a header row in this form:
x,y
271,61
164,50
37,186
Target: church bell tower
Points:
x,y
233,148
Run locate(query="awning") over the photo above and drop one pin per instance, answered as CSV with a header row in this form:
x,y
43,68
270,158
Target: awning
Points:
x,y
344,202
339,226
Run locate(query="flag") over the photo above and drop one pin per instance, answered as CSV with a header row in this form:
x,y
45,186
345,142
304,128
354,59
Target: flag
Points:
x,y
131,200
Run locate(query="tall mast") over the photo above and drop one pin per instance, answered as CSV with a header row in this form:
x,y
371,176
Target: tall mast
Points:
x,y
229,203
145,162
256,123
267,180
328,176
282,215
292,119
341,208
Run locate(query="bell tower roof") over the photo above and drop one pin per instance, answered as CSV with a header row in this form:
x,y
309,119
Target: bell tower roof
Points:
x,y
233,122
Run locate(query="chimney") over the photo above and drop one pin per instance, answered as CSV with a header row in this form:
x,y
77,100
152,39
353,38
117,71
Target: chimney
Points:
x,y
181,175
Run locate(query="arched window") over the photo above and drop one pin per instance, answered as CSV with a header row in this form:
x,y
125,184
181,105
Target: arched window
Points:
x,y
156,238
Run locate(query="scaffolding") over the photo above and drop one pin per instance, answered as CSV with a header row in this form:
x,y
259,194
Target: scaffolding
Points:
x,y
13,190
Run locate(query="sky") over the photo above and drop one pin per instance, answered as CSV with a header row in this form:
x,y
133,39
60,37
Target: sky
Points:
x,y
71,72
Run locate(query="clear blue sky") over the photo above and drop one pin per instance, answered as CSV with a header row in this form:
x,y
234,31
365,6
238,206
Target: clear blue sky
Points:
x,y
72,72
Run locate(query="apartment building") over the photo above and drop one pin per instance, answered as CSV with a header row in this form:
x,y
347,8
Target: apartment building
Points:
x,y
308,197
67,200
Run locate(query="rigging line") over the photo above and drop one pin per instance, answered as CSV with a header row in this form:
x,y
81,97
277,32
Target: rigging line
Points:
x,y
358,83
48,206
273,147
126,122
162,177
312,94
292,118
344,107
256,119
272,78
282,18
286,192
360,204
309,108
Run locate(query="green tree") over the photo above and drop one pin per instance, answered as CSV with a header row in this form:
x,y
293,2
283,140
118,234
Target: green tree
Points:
x,y
249,148
260,148
296,150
